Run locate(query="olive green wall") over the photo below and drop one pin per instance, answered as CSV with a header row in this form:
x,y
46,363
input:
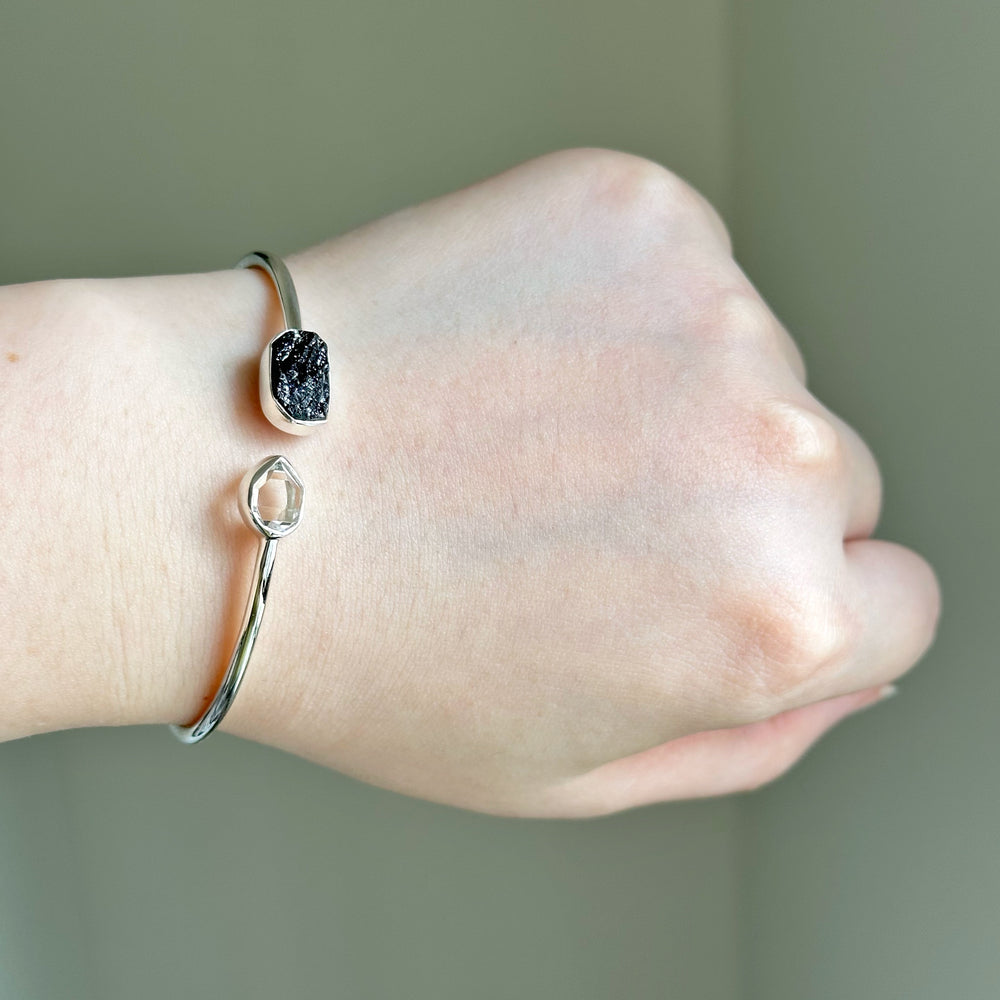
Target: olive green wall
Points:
x,y
142,137
867,210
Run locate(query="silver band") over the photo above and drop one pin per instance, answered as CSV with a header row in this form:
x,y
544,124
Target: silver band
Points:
x,y
294,389
212,715
275,267
272,518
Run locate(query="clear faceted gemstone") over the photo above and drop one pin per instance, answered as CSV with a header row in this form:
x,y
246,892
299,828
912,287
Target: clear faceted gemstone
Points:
x,y
274,497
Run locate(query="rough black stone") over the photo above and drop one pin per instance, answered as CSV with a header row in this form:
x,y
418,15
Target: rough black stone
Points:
x,y
300,375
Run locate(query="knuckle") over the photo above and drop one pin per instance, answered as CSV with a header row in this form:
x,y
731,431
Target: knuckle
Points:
x,y
636,181
788,639
639,191
737,317
786,434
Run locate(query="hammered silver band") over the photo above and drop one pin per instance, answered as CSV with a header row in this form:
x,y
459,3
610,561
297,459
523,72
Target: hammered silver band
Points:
x,y
294,388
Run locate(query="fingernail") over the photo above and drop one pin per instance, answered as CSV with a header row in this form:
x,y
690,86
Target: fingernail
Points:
x,y
884,693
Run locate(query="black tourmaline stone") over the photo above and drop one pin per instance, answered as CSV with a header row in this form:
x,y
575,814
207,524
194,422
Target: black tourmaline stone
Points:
x,y
300,375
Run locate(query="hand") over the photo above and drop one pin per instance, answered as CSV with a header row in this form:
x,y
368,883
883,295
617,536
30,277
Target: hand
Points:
x,y
577,538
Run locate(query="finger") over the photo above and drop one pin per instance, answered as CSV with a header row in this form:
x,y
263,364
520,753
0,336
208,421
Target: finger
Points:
x,y
826,454
791,351
899,603
864,481
778,333
710,763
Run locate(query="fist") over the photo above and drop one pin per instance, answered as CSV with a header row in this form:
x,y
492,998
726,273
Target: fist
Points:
x,y
583,539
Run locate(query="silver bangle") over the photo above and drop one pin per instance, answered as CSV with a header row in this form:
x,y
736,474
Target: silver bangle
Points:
x,y
295,396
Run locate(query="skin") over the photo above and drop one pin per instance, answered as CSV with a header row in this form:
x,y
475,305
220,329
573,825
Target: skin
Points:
x,y
577,537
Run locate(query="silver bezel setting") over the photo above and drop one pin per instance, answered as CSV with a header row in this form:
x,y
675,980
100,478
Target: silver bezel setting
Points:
x,y
250,487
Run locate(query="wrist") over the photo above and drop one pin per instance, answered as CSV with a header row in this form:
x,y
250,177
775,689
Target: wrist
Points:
x,y
132,410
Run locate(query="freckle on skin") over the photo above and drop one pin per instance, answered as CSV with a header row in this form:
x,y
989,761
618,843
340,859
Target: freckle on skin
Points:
x,y
12,357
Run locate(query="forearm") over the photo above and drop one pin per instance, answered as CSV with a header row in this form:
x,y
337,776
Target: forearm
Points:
x,y
130,413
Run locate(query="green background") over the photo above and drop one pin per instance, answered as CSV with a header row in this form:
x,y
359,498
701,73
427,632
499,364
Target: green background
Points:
x,y
853,149
866,159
